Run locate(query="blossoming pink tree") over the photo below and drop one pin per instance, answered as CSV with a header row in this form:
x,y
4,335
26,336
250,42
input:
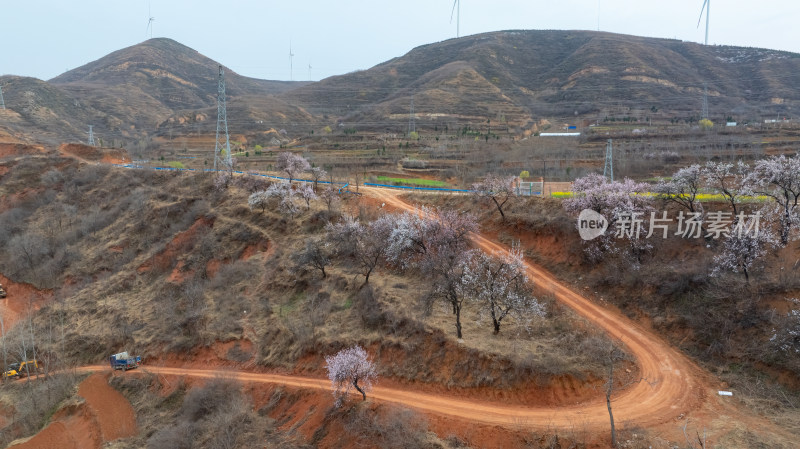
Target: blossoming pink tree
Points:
x,y
347,369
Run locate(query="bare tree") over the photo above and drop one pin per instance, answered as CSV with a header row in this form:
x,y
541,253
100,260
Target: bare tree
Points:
x,y
292,164
330,197
729,180
346,369
616,381
682,188
316,254
498,189
364,244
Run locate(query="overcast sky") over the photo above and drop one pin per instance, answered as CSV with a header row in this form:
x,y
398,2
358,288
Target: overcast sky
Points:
x,y
45,38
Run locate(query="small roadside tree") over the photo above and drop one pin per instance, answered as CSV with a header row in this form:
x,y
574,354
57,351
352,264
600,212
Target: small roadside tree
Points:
x,y
346,369
291,164
498,189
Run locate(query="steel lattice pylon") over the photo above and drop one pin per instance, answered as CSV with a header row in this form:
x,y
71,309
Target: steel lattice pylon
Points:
x,y
608,170
91,136
2,101
222,145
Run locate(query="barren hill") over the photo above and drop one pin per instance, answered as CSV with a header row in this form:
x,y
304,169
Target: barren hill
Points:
x,y
508,79
525,75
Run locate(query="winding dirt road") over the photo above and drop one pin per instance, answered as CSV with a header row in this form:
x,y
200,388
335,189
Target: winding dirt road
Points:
x,y
674,386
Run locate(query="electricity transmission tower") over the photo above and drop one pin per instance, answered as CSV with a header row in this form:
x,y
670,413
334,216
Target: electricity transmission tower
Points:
x,y
411,124
2,101
91,136
608,169
223,145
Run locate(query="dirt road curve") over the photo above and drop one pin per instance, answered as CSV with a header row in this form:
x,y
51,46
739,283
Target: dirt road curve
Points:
x,y
674,386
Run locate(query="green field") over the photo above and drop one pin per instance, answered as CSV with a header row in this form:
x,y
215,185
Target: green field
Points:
x,y
411,182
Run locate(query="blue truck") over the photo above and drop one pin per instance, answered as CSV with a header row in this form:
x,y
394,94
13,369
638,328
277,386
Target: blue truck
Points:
x,y
124,361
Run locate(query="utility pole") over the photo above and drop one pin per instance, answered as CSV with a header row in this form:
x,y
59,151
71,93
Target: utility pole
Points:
x,y
608,169
223,143
91,136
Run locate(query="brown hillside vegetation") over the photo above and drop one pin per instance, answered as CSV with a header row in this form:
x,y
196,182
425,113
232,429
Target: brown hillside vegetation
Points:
x,y
178,226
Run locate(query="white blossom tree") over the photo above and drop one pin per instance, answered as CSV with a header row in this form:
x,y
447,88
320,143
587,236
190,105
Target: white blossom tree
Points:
x,y
741,251
434,242
292,164
260,200
778,177
306,192
347,369
682,188
498,189
786,338
317,174
618,201
363,244
499,284
448,273
278,194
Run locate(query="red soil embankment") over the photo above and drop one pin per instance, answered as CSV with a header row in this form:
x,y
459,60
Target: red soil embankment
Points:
x,y
19,297
104,416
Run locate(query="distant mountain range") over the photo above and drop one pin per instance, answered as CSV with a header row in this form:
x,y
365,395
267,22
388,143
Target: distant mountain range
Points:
x,y
510,78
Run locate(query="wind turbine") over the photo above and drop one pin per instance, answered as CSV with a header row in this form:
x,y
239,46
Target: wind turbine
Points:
x,y
707,6
456,6
149,23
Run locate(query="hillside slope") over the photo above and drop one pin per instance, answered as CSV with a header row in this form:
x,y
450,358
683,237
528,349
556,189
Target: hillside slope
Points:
x,y
522,75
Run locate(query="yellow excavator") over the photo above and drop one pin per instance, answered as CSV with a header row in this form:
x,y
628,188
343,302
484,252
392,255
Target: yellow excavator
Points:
x,y
21,369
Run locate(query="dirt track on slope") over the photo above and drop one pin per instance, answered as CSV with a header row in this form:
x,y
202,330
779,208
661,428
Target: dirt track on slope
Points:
x,y
673,388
